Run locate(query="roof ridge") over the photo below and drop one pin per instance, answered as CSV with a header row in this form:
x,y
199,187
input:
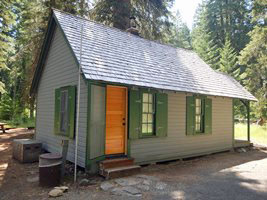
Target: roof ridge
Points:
x,y
117,29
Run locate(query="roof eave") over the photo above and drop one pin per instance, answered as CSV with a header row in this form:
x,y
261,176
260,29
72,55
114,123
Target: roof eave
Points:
x,y
171,90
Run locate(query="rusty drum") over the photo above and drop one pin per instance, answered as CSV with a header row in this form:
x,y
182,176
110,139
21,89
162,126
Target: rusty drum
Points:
x,y
50,169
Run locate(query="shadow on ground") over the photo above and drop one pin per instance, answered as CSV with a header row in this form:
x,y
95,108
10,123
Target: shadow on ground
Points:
x,y
228,175
13,175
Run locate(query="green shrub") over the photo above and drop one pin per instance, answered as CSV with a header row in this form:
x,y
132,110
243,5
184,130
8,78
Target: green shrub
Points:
x,y
6,108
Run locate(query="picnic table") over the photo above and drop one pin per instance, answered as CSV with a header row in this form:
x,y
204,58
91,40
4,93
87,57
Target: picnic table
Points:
x,y
2,126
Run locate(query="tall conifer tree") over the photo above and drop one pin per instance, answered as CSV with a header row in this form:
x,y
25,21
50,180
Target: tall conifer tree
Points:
x,y
7,20
152,16
179,34
228,60
254,57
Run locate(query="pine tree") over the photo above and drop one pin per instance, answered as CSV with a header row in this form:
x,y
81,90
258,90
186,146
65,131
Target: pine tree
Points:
x,y
7,19
253,56
203,40
231,17
76,7
112,12
31,26
179,34
22,28
228,60
213,55
214,20
152,16
199,37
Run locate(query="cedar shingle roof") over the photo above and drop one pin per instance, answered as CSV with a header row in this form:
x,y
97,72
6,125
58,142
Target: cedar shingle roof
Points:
x,y
111,55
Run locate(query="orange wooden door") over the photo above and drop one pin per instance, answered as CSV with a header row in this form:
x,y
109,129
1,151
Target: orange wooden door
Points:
x,y
115,120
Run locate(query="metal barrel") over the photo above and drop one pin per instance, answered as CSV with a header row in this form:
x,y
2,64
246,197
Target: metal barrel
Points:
x,y
50,169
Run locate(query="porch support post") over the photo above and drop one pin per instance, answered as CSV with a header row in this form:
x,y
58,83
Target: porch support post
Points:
x,y
248,116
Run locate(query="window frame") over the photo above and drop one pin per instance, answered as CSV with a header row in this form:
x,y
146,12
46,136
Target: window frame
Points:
x,y
160,114
153,113
70,108
191,111
202,115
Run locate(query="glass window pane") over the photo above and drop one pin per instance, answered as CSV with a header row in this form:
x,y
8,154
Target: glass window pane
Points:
x,y
198,110
63,110
145,97
145,108
197,127
150,128
197,102
62,102
144,118
150,98
149,118
62,126
144,128
147,115
150,108
197,119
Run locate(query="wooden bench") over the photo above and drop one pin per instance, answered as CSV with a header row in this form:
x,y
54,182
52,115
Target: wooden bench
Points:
x,y
2,126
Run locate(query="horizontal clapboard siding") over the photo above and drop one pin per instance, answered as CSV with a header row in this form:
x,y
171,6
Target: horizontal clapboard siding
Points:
x,y
177,143
60,70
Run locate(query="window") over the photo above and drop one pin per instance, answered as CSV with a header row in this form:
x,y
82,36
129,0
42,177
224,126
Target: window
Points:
x,y
64,111
148,114
198,115
199,119
64,114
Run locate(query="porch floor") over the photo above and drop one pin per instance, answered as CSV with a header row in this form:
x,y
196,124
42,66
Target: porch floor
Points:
x,y
242,143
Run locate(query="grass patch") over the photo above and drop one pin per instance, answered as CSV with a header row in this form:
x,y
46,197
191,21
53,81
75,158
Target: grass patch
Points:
x,y
19,123
258,134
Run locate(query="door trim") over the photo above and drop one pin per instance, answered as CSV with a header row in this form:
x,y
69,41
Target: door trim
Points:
x,y
126,118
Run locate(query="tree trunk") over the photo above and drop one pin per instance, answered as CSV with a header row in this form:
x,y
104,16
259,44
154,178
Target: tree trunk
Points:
x,y
122,10
82,11
32,101
52,4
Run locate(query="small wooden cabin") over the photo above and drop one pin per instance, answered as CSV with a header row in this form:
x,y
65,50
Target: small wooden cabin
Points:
x,y
138,98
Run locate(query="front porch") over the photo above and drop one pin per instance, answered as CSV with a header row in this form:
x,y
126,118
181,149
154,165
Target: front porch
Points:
x,y
242,143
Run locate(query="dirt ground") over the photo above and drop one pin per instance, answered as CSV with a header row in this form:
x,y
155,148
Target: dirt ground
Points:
x,y
229,175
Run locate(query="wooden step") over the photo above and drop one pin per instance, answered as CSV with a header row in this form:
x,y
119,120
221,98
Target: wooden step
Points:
x,y
114,163
120,171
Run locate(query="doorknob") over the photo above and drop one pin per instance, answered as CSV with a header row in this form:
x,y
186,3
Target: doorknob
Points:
x,y
123,124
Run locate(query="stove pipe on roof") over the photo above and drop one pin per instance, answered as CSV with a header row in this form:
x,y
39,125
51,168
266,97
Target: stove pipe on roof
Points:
x,y
133,29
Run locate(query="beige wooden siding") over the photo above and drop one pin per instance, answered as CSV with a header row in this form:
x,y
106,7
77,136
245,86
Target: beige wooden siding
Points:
x,y
60,70
177,143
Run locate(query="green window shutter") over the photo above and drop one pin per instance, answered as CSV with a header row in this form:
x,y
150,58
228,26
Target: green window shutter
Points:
x,y
134,114
161,114
190,115
208,116
71,111
57,112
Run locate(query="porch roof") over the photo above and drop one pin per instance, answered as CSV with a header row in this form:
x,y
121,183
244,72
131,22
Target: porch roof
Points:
x,y
115,56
